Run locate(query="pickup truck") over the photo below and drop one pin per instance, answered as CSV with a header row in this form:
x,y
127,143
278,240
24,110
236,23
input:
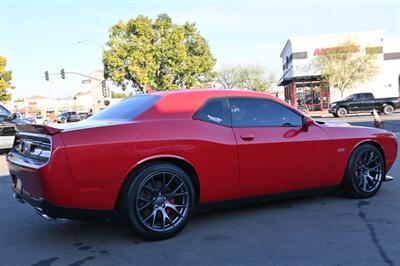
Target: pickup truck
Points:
x,y
364,102
67,117
8,121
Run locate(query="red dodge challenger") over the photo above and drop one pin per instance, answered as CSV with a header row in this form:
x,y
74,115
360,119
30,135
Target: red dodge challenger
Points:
x,y
157,158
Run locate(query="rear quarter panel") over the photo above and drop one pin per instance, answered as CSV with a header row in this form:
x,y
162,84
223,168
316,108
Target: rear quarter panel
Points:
x,y
106,155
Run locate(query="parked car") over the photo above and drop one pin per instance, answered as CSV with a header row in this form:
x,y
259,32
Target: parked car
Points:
x,y
158,158
67,117
42,120
8,121
364,102
83,115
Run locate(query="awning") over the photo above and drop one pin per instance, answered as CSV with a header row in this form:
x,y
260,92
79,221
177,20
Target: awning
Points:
x,y
284,81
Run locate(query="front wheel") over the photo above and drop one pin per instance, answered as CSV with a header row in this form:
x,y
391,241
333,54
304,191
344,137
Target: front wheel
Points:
x,y
341,112
364,173
388,110
158,200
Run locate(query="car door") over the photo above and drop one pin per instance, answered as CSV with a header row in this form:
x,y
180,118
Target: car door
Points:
x,y
276,153
355,105
368,102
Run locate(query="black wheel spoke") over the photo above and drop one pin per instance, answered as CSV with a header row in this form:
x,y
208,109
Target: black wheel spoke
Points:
x,y
143,199
173,193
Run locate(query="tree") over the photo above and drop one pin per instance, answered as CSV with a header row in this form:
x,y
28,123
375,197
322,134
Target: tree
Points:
x,y
158,54
246,77
344,66
5,80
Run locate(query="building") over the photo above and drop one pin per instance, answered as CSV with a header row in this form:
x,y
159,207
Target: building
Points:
x,y
36,105
302,81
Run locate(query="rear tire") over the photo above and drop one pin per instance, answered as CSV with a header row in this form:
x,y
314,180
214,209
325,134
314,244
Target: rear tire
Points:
x,y
341,112
158,200
364,173
388,109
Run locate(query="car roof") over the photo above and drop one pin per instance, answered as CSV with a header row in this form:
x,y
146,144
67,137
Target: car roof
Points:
x,y
184,103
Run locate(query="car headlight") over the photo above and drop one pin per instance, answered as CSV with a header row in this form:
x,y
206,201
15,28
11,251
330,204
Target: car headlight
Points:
x,y
333,105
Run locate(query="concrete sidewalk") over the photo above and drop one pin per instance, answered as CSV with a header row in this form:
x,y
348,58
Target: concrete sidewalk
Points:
x,y
326,114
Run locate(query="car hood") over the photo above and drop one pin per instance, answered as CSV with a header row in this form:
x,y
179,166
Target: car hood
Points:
x,y
333,123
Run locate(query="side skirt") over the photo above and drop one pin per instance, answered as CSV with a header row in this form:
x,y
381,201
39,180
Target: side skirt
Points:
x,y
264,198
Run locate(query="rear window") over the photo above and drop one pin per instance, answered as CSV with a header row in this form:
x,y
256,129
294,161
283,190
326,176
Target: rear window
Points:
x,y
127,109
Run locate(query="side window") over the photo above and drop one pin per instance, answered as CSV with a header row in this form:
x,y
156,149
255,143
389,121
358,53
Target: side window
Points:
x,y
253,112
357,97
214,111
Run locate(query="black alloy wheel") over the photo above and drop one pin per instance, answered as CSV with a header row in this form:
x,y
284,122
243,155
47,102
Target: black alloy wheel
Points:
x,y
159,200
365,172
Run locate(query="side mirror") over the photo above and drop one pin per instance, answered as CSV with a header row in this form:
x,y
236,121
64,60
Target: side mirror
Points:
x,y
14,115
307,122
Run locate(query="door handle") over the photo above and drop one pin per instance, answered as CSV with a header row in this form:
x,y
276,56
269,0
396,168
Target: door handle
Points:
x,y
247,137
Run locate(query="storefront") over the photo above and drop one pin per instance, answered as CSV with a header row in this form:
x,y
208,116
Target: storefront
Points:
x,y
302,82
308,94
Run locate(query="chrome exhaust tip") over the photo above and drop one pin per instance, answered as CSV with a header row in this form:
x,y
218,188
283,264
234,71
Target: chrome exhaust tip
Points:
x,y
40,212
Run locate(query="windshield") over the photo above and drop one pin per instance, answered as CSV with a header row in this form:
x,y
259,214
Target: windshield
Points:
x,y
127,109
348,98
4,112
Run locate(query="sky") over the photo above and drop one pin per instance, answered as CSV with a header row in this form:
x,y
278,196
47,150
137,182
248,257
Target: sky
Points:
x,y
39,36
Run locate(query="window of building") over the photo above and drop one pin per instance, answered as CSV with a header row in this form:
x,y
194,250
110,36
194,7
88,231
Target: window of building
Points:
x,y
299,55
374,50
254,112
214,111
391,56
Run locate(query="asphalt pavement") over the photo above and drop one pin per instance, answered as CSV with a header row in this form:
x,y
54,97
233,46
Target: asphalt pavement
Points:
x,y
327,229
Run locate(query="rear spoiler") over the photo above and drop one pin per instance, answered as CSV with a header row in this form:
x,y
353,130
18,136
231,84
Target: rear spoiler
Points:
x,y
38,129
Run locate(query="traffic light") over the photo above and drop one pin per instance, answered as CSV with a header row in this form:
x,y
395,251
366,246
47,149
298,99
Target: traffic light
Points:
x,y
46,75
62,73
104,88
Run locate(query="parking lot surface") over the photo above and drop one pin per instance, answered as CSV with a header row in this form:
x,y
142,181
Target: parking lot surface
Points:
x,y
326,229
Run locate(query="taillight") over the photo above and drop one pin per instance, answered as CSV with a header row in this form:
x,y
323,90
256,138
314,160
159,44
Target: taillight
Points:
x,y
33,146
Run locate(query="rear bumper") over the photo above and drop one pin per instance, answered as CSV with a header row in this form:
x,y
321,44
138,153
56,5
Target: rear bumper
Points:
x,y
50,211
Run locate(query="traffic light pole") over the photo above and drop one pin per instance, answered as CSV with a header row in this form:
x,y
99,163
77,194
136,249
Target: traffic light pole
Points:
x,y
105,91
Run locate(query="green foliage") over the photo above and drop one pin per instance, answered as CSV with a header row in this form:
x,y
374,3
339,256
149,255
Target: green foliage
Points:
x,y
246,77
118,95
158,54
344,67
5,81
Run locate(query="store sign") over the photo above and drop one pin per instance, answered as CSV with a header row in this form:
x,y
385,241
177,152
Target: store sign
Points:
x,y
338,49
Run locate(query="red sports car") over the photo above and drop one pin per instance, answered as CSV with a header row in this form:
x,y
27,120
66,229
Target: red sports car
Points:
x,y
157,158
